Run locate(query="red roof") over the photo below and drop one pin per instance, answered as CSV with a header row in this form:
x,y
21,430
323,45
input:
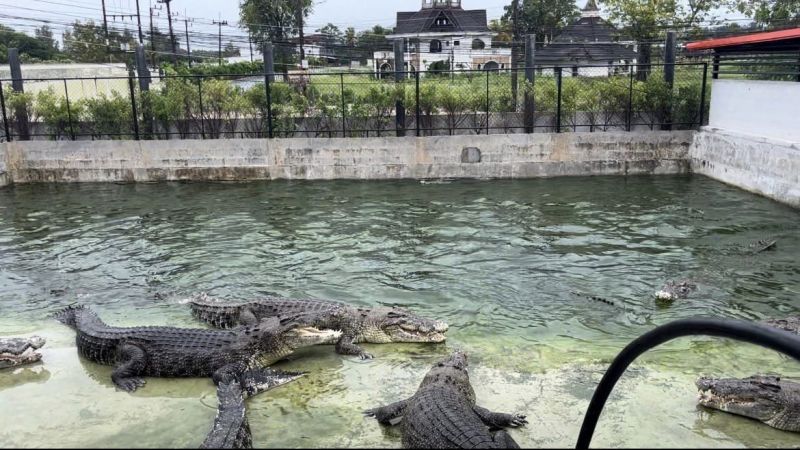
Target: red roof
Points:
x,y
754,38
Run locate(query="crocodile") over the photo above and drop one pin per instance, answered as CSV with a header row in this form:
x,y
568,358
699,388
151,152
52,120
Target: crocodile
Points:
x,y
761,245
767,399
231,428
443,413
673,291
18,351
223,355
358,325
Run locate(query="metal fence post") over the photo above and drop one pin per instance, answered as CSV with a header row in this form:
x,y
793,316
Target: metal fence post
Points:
x,y
21,112
418,111
69,111
134,112
268,87
669,77
715,67
202,113
629,112
529,115
558,99
5,117
488,106
344,116
399,76
703,96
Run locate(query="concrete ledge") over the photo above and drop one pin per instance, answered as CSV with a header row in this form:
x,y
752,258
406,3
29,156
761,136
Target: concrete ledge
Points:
x,y
768,167
495,156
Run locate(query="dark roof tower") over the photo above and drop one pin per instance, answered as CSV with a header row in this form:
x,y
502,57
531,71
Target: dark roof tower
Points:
x,y
442,16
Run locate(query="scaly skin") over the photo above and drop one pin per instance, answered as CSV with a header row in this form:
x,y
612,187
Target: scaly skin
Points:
x,y
443,413
790,324
18,351
225,356
673,291
358,325
231,428
767,399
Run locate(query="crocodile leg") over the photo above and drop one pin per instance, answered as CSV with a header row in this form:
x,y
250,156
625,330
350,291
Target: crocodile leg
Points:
x,y
256,381
499,420
391,414
504,440
230,373
131,361
346,346
231,428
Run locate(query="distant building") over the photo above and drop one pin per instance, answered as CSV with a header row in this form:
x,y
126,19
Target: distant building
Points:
x,y
443,35
317,46
589,41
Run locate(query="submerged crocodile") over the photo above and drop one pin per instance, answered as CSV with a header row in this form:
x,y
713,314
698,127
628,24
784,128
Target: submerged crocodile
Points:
x,y
767,399
358,325
18,351
231,428
791,324
672,291
443,414
138,352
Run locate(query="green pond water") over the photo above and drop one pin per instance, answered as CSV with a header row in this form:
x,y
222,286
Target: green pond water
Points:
x,y
497,260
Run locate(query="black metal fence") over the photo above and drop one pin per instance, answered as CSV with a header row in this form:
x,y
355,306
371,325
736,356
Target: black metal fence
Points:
x,y
777,65
553,99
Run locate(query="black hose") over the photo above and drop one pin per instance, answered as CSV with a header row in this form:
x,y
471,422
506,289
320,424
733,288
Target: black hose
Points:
x,y
763,335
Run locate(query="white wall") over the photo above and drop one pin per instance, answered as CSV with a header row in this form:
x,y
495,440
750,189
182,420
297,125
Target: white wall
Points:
x,y
769,109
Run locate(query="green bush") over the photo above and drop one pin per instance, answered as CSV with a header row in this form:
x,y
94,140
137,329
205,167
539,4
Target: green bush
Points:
x,y
58,116
107,115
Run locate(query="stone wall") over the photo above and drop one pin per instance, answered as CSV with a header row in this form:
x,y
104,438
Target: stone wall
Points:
x,y
494,156
757,164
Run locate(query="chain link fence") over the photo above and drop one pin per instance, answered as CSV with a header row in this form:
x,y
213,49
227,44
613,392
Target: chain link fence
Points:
x,y
460,102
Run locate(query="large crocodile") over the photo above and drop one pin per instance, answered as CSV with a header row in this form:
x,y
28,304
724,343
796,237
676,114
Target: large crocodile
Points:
x,y
358,325
231,428
443,414
223,355
672,291
18,351
767,399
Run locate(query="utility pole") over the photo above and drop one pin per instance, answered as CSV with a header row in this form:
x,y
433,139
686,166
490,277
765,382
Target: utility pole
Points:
x,y
188,47
171,33
220,23
105,21
300,28
250,41
139,21
152,39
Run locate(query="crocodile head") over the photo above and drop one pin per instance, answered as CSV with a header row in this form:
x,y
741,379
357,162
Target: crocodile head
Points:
x,y
451,372
763,398
385,325
673,291
18,351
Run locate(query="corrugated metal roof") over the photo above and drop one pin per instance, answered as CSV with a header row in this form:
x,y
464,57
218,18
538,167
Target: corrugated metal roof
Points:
x,y
748,39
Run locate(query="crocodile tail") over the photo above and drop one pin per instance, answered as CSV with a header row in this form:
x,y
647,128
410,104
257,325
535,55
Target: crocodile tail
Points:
x,y
68,315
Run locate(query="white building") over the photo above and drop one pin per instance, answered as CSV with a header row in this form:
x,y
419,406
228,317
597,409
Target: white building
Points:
x,y
443,35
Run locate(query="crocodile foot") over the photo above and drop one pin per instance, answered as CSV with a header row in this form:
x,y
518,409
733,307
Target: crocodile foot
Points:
x,y
130,384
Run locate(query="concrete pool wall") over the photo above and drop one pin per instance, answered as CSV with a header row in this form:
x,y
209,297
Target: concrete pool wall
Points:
x,y
765,166
494,156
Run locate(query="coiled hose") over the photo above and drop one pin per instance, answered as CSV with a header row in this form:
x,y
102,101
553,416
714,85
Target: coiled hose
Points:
x,y
763,335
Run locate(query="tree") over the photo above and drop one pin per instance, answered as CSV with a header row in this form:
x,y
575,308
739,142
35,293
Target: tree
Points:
x,y
643,21
86,42
350,38
275,21
769,12
544,18
30,48
45,35
501,29
332,33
